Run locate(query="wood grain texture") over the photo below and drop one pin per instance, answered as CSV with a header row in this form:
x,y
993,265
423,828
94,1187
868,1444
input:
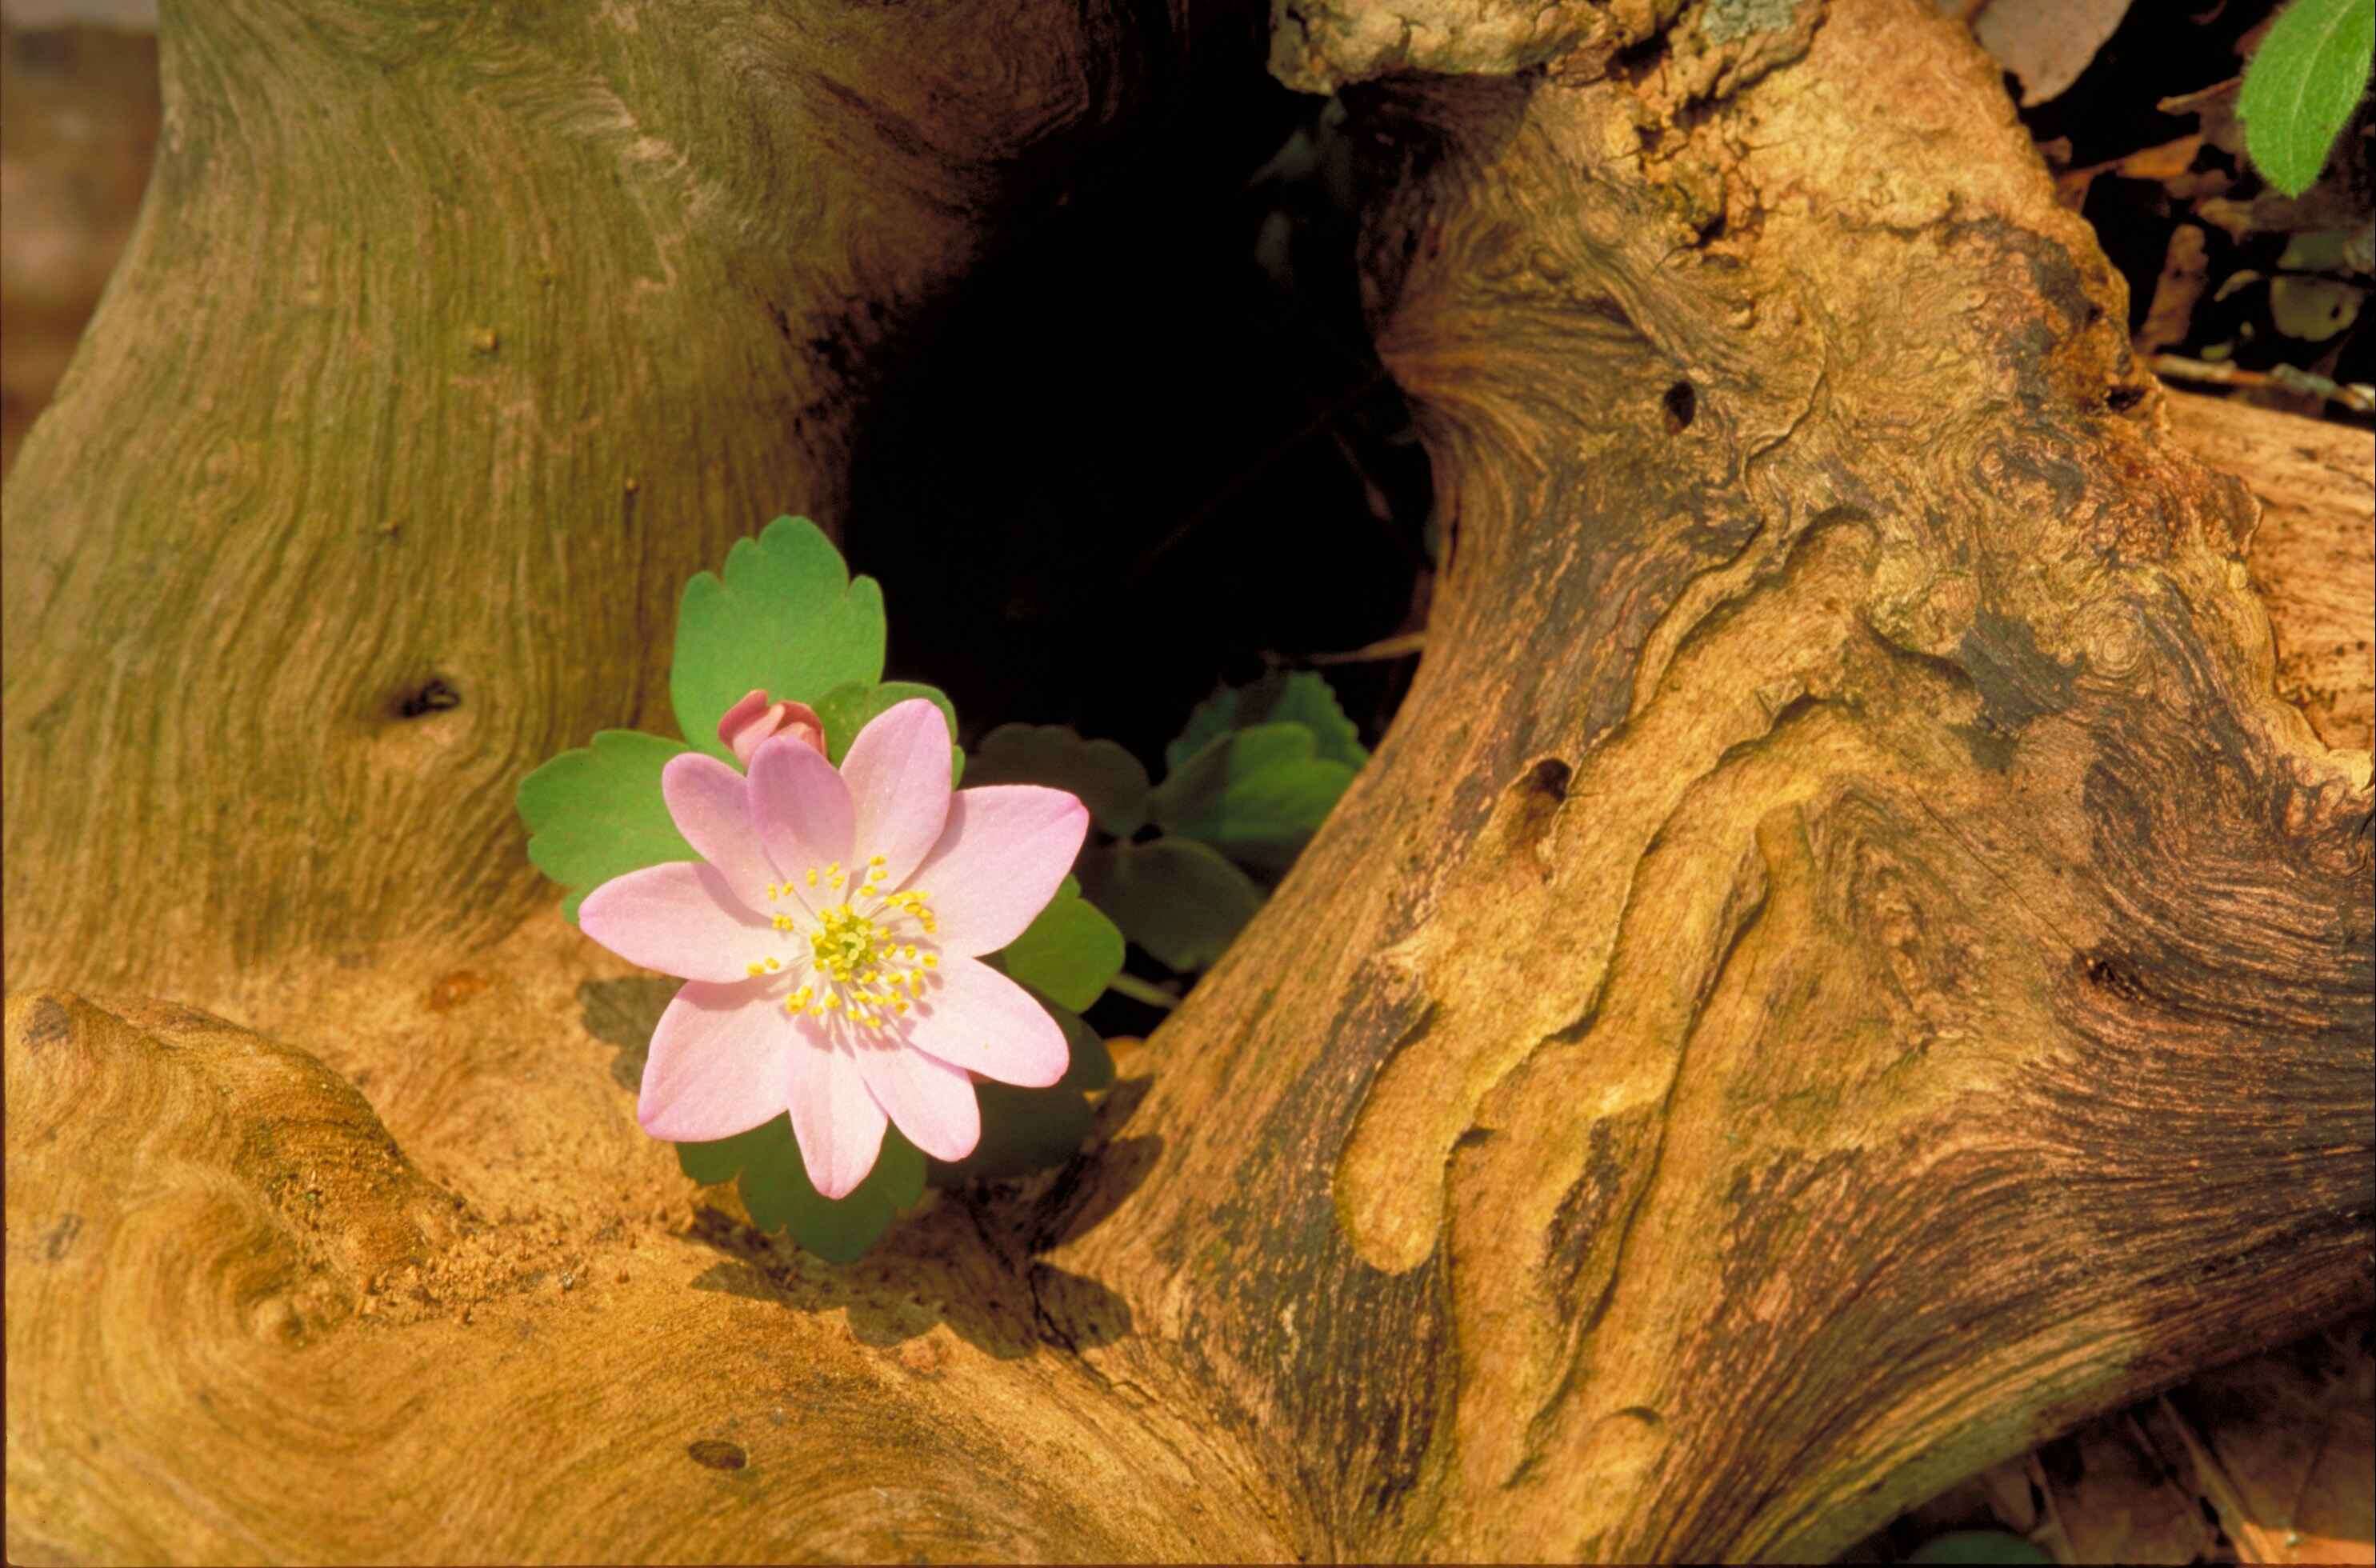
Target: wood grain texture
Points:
x,y
457,340
2313,555
1844,966
243,1326
1843,957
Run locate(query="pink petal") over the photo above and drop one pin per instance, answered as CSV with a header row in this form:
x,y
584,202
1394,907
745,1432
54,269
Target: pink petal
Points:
x,y
898,770
1003,854
839,1124
717,1067
926,1098
977,1019
679,919
801,808
712,808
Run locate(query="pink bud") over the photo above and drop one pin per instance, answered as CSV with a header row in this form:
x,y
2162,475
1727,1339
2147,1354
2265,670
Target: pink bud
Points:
x,y
755,719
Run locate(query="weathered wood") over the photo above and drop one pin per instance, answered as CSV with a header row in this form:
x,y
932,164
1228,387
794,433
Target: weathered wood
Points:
x,y
457,340
2313,555
1843,966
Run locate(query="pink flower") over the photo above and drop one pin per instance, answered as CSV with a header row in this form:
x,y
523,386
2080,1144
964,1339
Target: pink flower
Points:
x,y
755,719
832,932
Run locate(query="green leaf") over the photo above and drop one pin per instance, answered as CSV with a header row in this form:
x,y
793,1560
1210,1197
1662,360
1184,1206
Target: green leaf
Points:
x,y
1022,1131
1978,1546
1304,698
1028,1130
597,812
2302,86
849,708
1211,719
779,1197
1177,899
1068,953
785,617
1108,780
1301,696
1092,1066
1255,795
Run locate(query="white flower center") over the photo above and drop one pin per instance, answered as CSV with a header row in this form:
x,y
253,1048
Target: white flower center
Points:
x,y
866,962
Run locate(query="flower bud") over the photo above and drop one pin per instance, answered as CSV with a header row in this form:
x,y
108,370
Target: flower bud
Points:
x,y
755,719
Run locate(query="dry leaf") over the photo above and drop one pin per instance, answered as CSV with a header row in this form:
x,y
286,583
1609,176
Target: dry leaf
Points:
x,y
2284,1446
2183,271
2044,43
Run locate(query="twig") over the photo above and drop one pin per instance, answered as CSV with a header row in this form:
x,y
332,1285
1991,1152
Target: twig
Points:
x,y
1137,990
2358,397
1385,647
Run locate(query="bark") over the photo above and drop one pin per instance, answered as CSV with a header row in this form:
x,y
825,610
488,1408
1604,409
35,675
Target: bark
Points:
x,y
1843,966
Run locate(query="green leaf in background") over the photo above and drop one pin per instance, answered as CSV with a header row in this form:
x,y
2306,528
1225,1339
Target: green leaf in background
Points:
x,y
1280,697
1022,1131
778,1194
1092,1065
1305,698
1177,899
1069,952
597,812
785,617
1256,794
1108,780
847,708
2302,85
1978,1546
1028,1130
1212,718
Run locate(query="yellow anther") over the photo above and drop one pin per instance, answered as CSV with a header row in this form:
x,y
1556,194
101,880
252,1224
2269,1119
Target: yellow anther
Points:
x,y
909,951
901,1004
774,964
758,969
832,1000
932,960
876,861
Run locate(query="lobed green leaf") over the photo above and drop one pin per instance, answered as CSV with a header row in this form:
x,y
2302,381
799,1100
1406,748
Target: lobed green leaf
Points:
x,y
849,708
1026,1130
1108,780
1255,794
779,1197
785,616
597,812
1068,953
1176,898
1301,696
